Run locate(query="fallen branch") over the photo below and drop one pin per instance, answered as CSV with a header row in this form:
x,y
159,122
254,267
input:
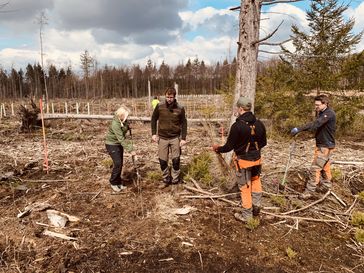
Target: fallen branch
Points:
x,y
95,196
338,199
347,162
310,205
352,206
49,181
209,195
195,183
300,218
59,235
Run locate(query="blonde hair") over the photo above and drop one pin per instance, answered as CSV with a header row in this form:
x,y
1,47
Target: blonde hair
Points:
x,y
122,113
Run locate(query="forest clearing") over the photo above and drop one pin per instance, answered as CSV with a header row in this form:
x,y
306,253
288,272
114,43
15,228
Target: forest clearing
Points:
x,y
299,67
183,228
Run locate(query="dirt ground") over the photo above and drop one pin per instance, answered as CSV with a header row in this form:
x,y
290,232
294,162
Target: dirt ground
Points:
x,y
140,230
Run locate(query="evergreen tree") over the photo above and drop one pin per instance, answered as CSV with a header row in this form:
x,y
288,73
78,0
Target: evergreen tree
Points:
x,y
320,51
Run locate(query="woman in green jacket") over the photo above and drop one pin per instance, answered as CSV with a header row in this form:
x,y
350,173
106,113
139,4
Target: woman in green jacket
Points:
x,y
115,143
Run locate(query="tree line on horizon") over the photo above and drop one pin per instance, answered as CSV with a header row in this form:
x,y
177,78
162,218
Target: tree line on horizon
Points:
x,y
194,77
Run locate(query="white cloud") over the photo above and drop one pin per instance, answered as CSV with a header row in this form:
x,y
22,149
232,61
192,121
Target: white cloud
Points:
x,y
209,50
358,15
273,17
18,57
195,19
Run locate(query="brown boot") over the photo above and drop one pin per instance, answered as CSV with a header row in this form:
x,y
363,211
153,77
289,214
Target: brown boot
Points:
x,y
305,195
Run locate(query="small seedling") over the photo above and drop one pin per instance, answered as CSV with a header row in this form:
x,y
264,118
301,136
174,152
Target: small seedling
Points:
x,y
357,219
107,163
336,174
252,223
279,201
199,168
361,196
291,253
296,204
359,235
154,176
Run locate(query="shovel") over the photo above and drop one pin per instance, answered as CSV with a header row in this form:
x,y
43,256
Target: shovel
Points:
x,y
133,158
292,147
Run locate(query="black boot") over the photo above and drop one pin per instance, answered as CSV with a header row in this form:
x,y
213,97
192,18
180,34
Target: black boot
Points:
x,y
256,210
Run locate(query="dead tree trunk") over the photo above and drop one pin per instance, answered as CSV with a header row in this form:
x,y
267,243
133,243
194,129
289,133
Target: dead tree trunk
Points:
x,y
247,55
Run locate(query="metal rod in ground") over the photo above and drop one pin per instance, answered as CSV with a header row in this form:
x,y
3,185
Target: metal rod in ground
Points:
x,y
291,149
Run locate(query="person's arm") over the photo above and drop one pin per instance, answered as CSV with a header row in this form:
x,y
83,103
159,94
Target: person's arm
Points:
x,y
183,124
155,117
320,121
120,135
232,138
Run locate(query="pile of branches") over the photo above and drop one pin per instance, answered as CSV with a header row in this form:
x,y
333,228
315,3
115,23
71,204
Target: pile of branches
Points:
x,y
29,117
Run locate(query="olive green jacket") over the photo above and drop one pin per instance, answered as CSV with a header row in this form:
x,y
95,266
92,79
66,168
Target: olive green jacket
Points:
x,y
117,135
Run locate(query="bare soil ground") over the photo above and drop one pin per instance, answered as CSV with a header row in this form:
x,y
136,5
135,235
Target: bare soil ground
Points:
x,y
138,230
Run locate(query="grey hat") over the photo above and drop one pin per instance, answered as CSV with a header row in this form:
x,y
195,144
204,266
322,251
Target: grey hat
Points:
x,y
244,102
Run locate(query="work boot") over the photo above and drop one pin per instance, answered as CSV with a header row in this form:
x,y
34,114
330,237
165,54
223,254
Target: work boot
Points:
x,y
177,181
305,195
256,210
240,217
118,188
322,189
166,182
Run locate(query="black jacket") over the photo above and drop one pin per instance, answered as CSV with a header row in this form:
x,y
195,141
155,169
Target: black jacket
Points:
x,y
240,137
324,127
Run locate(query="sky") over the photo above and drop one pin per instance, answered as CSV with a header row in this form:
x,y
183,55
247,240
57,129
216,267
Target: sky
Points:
x,y
127,32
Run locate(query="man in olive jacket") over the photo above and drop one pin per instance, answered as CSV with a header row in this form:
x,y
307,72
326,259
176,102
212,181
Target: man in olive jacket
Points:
x,y
171,136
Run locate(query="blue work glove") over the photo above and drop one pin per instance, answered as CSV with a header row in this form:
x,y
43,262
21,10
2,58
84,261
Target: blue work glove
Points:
x,y
294,131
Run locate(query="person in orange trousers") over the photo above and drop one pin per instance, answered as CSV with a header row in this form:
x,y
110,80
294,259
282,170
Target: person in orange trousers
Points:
x,y
324,127
247,137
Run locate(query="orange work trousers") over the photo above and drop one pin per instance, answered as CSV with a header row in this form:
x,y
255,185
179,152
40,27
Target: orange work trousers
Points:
x,y
248,180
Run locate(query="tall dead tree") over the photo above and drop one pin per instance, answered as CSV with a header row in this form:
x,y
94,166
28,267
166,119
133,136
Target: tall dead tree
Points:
x,y
248,45
247,54
248,48
41,21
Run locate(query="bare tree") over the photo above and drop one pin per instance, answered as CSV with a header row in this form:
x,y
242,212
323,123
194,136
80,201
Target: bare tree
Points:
x,y
41,21
248,48
87,62
248,45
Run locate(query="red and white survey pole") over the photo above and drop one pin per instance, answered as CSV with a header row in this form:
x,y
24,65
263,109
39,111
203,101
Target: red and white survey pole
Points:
x,y
45,162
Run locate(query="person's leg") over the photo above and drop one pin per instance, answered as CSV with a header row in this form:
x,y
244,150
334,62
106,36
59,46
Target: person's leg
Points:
x,y
163,146
256,189
321,158
116,153
243,179
326,182
175,155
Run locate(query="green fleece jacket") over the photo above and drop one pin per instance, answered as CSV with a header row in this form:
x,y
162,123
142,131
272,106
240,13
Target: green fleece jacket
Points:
x,y
117,135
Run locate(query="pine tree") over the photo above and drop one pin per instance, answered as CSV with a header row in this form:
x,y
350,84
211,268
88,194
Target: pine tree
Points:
x,y
320,51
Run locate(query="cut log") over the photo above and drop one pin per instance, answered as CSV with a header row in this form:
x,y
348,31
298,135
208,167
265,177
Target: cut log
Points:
x,y
108,117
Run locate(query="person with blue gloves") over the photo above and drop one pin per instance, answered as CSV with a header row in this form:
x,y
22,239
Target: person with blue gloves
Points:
x,y
324,127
